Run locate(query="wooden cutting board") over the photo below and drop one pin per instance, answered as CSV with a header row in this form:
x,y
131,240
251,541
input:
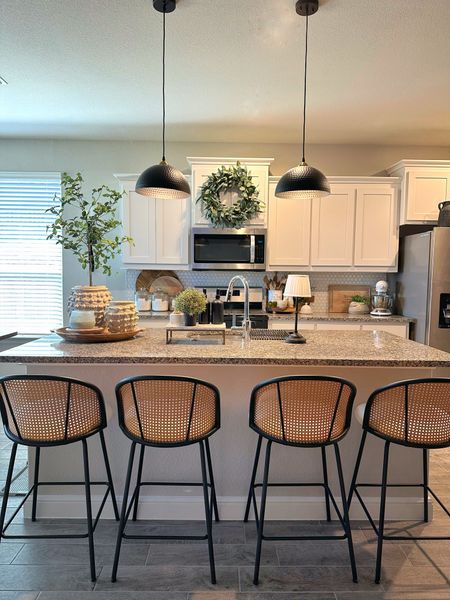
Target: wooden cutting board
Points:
x,y
340,295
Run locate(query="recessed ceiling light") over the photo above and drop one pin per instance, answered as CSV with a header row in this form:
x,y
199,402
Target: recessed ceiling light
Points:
x,y
3,81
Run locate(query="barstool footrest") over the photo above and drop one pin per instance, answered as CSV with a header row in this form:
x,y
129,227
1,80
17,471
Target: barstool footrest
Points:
x,y
302,484
56,536
137,487
400,485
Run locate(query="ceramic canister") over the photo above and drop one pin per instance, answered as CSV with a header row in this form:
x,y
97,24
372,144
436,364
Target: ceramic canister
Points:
x,y
121,316
82,319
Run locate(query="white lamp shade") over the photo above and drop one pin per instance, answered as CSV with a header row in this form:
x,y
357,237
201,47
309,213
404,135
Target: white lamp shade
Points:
x,y
298,286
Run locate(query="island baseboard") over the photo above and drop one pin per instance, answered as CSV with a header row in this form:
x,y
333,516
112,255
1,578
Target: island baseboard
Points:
x,y
231,508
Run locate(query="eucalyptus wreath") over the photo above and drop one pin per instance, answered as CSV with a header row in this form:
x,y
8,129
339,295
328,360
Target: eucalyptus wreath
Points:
x,y
233,178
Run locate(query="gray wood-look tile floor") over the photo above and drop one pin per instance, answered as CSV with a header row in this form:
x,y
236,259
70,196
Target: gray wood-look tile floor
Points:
x,y
59,570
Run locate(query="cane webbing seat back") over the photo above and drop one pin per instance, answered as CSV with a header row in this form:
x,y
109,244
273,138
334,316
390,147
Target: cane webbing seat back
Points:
x,y
167,411
302,410
50,410
413,413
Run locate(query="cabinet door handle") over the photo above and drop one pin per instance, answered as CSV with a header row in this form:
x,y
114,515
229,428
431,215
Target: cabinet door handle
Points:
x,y
252,248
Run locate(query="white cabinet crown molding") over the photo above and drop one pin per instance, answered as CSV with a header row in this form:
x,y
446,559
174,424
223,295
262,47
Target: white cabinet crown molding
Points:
x,y
417,163
228,160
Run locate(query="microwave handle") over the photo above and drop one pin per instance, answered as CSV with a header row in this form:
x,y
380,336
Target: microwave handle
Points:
x,y
252,248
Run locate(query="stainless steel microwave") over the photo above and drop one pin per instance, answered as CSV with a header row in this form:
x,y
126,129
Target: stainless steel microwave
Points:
x,y
228,249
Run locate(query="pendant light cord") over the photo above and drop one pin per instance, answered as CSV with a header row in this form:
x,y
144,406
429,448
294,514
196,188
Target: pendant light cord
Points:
x,y
164,88
304,90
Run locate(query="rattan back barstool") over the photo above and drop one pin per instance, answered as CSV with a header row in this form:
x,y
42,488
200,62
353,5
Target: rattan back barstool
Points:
x,y
302,412
45,411
413,413
166,412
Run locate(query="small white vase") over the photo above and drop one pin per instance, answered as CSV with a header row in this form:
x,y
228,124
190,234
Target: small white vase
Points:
x,y
90,297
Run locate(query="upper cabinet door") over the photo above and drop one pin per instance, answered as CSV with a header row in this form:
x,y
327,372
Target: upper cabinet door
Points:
x,y
139,213
376,230
172,227
332,229
425,189
288,234
200,173
159,228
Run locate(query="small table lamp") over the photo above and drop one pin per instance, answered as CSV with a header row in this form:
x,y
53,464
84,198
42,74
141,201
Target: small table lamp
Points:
x,y
297,286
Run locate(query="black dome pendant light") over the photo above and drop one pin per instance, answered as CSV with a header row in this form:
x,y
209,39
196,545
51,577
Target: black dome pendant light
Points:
x,y
304,181
163,181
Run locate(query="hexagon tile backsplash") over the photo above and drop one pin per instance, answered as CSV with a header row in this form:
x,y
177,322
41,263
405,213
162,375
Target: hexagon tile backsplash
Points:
x,y
319,281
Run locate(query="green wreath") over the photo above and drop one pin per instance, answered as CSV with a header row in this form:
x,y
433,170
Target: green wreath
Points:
x,y
223,180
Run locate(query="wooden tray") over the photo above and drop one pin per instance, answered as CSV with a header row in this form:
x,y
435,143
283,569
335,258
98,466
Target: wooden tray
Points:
x,y
91,338
339,296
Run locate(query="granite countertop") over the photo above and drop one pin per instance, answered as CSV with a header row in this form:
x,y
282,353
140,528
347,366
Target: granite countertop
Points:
x,y
352,348
5,334
326,316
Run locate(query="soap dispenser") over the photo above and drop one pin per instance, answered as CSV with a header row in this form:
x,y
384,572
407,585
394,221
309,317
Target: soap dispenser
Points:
x,y
205,317
217,312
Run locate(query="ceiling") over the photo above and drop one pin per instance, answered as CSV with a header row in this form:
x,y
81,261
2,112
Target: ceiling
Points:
x,y
379,71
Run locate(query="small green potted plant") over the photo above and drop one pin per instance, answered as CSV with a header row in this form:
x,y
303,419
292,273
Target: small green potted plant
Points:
x,y
191,303
359,305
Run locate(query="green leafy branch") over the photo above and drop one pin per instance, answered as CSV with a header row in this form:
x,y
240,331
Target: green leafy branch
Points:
x,y
86,233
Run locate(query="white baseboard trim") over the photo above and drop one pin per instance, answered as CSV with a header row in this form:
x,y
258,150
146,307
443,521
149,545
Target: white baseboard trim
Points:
x,y
231,508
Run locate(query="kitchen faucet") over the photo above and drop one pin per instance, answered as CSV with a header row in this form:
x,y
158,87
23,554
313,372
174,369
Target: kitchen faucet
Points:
x,y
246,323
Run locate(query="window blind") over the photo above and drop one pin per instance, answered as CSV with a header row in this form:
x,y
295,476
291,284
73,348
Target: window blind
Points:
x,y
31,290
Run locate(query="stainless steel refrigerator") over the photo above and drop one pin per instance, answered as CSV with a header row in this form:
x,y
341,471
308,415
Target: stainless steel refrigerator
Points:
x,y
422,285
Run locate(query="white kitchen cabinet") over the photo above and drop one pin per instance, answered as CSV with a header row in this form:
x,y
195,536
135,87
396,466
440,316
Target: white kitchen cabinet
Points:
x,y
202,167
332,229
424,184
355,228
400,330
159,228
329,326
289,232
289,324
376,227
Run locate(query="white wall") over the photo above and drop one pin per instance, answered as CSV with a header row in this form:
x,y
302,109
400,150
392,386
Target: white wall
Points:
x,y
98,160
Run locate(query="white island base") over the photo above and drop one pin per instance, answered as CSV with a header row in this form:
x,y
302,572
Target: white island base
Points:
x,y
232,448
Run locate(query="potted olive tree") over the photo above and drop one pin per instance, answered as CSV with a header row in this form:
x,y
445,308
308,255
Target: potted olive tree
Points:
x,y
89,235
191,302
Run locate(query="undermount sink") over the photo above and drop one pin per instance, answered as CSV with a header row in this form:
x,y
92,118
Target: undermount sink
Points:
x,y
268,334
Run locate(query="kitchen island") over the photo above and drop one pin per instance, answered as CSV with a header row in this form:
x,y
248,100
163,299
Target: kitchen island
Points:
x,y
367,358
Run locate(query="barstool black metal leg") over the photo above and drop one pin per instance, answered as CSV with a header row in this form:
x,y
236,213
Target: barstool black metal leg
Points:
x,y
123,512
252,481
262,513
346,518
382,512
425,485
109,476
325,481
211,481
138,482
208,514
37,457
87,485
9,475
357,465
